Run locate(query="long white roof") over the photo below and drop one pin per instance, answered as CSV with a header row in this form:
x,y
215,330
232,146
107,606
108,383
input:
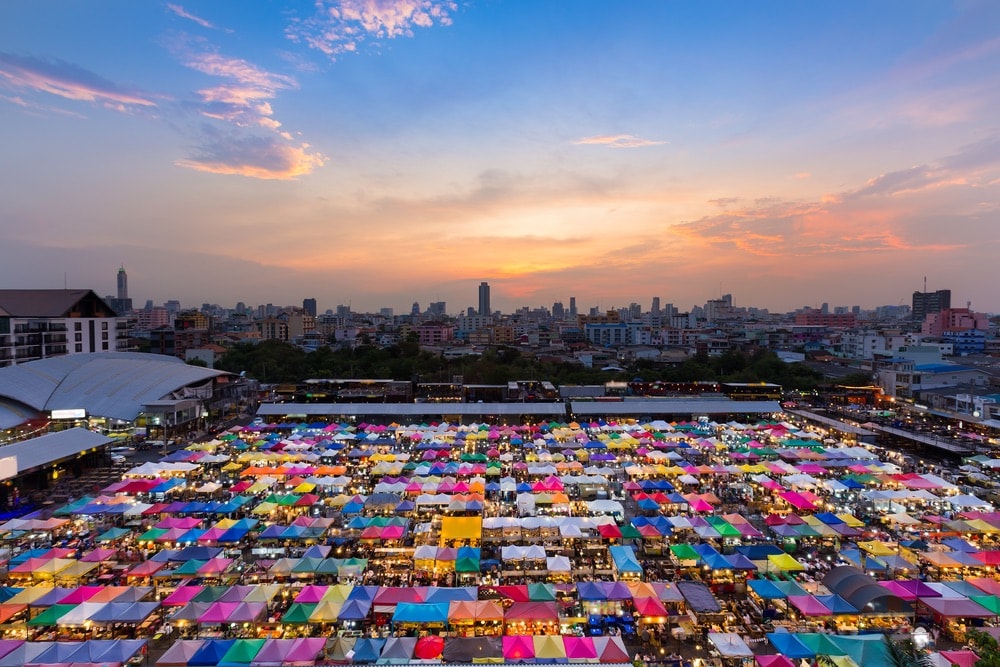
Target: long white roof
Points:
x,y
108,384
52,447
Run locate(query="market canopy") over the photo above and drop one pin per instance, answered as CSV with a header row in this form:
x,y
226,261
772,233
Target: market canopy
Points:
x,y
461,528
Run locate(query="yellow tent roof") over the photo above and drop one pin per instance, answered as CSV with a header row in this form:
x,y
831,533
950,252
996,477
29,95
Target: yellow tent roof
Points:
x,y
876,548
461,527
785,562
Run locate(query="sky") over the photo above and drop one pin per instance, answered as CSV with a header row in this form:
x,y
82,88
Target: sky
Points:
x,y
374,153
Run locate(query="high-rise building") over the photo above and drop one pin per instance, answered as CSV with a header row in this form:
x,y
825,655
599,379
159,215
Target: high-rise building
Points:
x,y
121,304
925,303
655,309
572,306
484,299
309,305
122,283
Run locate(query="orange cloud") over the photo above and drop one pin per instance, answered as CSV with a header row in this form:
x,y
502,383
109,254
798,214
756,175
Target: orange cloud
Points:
x,y
256,157
618,141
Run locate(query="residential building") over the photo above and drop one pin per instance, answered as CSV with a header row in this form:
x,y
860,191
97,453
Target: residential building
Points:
x,y
43,323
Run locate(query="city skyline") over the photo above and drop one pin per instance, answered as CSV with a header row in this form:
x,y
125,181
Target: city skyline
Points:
x,y
375,153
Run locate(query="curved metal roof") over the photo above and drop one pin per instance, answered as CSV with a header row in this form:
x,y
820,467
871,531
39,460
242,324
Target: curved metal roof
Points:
x,y
109,384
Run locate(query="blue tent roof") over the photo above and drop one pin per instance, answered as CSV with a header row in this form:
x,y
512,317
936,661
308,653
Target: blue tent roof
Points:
x,y
837,604
766,589
789,645
409,612
367,649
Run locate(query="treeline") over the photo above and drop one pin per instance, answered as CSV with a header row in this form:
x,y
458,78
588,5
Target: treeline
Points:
x,y
277,362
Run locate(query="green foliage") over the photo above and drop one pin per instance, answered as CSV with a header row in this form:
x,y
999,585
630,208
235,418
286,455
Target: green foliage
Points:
x,y
986,647
276,362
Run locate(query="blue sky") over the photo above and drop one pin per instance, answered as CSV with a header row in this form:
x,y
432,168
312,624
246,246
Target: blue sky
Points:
x,y
377,152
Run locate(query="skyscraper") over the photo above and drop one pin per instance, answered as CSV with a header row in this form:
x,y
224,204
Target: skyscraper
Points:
x,y
122,283
309,305
121,304
484,299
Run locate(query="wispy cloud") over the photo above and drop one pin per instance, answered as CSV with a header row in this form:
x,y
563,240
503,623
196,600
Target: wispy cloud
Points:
x,y
256,157
340,26
618,141
243,101
184,14
68,81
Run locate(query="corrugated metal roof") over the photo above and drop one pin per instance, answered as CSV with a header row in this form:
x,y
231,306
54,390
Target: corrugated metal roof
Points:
x,y
109,384
51,447
410,409
597,408
673,407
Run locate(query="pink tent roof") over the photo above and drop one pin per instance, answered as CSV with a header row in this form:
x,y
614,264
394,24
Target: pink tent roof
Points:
x,y
580,648
218,612
809,606
650,607
796,500
532,611
215,566
960,658
81,594
181,596
311,594
99,554
518,648
773,661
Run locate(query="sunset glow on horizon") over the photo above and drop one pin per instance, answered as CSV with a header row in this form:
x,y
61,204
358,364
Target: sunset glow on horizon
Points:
x,y
380,152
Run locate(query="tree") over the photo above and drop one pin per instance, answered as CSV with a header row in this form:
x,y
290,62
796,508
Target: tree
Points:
x,y
986,647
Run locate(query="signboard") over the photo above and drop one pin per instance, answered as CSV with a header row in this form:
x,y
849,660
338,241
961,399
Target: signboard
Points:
x,y
75,413
8,467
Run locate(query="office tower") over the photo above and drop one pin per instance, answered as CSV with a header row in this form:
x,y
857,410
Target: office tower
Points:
x,y
121,304
484,299
558,311
415,309
572,306
925,303
309,305
122,284
655,310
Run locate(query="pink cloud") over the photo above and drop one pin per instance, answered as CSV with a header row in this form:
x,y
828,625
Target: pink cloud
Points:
x,y
255,157
339,27
184,14
67,81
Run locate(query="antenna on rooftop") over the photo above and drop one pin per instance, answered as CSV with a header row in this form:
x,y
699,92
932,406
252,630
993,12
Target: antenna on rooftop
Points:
x,y
925,284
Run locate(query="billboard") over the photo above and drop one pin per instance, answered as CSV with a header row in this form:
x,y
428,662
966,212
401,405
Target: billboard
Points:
x,y
74,413
8,467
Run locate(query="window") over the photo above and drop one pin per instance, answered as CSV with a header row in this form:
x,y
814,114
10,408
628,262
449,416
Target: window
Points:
x,y
104,326
79,347
104,335
77,326
104,346
78,337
